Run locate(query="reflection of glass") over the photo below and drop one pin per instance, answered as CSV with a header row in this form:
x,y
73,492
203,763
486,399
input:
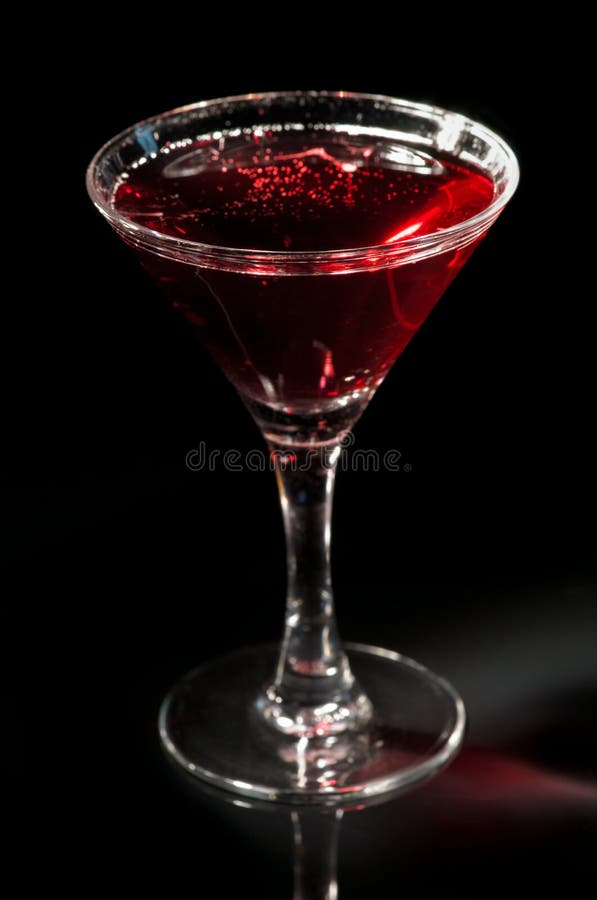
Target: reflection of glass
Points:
x,y
316,833
306,237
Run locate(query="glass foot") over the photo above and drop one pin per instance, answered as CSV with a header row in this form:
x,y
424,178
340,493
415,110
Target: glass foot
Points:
x,y
210,724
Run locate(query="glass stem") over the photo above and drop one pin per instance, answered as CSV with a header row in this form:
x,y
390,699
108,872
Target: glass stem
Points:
x,y
314,691
316,835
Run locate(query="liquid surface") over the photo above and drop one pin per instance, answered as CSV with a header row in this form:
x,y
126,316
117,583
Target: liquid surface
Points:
x,y
305,352
303,191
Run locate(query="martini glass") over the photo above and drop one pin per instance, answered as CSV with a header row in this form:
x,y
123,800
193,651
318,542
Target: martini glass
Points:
x,y
306,236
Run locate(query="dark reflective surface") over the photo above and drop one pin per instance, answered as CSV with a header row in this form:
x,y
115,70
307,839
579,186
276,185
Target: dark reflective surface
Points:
x,y
490,809
519,802
521,797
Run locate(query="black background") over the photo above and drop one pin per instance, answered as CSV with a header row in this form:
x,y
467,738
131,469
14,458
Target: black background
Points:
x,y
126,569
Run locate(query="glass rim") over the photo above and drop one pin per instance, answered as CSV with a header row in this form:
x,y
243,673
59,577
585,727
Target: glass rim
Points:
x,y
406,249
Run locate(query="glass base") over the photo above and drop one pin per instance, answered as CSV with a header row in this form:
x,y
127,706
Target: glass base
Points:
x,y
210,724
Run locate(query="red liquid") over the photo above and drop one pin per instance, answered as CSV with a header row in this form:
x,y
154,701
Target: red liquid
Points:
x,y
300,343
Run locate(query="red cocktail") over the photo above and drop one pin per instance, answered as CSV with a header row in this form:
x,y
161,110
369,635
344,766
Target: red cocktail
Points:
x,y
305,237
